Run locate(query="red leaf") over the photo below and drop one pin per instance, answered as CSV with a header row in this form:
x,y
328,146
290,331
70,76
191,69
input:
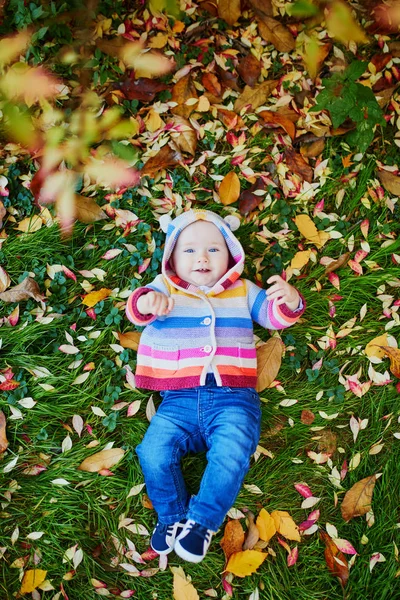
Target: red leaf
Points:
x,y
143,89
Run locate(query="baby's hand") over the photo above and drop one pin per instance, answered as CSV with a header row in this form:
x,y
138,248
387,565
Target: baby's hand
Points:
x,y
155,303
283,292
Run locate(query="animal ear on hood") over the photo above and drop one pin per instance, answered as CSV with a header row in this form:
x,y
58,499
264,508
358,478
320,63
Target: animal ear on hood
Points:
x,y
164,221
233,222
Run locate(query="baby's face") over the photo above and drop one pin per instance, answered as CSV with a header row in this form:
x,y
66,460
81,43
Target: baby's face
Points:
x,y
200,255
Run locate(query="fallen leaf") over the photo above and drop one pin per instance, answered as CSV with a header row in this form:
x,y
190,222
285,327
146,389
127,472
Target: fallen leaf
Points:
x,y
307,417
245,563
335,559
229,10
394,355
273,31
298,165
338,263
186,139
252,535
168,156
374,347
229,190
130,339
233,539
265,525
314,55
102,460
248,200
28,288
308,230
255,96
390,182
31,580
269,357
30,224
183,589
274,119
230,119
211,84
96,296
341,24
249,69
143,89
285,525
4,280
3,436
357,501
182,91
300,259
86,210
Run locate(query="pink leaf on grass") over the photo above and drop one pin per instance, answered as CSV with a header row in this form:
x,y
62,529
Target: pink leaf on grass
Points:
x,y
144,265
68,273
227,587
105,472
360,255
344,470
13,318
364,228
149,554
303,490
344,546
314,515
110,254
293,556
375,558
334,279
91,313
355,266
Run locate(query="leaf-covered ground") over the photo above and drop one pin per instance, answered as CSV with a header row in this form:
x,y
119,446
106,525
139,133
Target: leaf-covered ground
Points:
x,y
114,114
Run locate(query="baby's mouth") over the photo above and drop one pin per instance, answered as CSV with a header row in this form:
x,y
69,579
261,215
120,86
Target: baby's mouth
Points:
x,y
202,270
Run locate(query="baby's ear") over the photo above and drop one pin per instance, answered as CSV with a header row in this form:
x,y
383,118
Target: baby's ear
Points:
x,y
164,221
233,222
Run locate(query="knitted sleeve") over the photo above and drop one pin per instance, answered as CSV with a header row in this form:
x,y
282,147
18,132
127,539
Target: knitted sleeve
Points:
x,y
267,313
131,310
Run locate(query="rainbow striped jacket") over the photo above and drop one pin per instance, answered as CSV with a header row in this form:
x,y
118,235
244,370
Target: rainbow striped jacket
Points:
x,y
213,328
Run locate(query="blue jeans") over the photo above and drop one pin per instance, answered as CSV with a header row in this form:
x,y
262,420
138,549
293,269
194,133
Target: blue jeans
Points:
x,y
223,421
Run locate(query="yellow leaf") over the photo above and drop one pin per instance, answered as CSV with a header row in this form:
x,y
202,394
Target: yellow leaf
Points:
x,y
269,357
183,589
265,525
31,580
255,96
341,24
130,339
153,121
102,460
203,104
158,41
300,259
229,190
373,349
94,297
273,31
308,230
30,224
285,525
245,563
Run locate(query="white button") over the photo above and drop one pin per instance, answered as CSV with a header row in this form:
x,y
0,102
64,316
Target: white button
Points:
x,y
207,349
207,321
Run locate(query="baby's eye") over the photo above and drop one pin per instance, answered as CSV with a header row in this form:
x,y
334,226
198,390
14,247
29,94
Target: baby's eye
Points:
x,y
214,250
189,250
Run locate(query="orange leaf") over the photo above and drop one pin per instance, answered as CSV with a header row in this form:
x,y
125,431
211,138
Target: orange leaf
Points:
x,y
212,84
233,539
298,165
181,92
269,357
357,501
130,339
229,10
3,437
93,298
229,190
168,156
245,563
335,559
273,119
394,355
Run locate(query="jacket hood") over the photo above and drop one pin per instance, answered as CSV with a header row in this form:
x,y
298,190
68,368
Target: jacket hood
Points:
x,y
176,226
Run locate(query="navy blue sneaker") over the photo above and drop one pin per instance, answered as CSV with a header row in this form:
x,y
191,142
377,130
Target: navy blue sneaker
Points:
x,y
193,542
163,538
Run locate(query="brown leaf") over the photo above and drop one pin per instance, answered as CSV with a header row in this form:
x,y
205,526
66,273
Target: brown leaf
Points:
x,y
229,79
211,84
335,559
336,264
357,500
248,201
102,460
394,48
186,140
273,119
229,190
87,210
274,32
249,69
3,213
143,89
113,46
394,355
166,157
233,539
130,339
253,535
298,165
384,96
307,417
390,182
230,119
3,437
313,149
28,288
181,92
229,10
269,357
255,96
262,7
327,442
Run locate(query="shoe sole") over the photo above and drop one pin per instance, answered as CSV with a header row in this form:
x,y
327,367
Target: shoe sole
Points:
x,y
188,556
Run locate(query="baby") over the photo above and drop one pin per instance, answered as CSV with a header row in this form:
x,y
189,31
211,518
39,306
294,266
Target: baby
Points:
x,y
198,350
